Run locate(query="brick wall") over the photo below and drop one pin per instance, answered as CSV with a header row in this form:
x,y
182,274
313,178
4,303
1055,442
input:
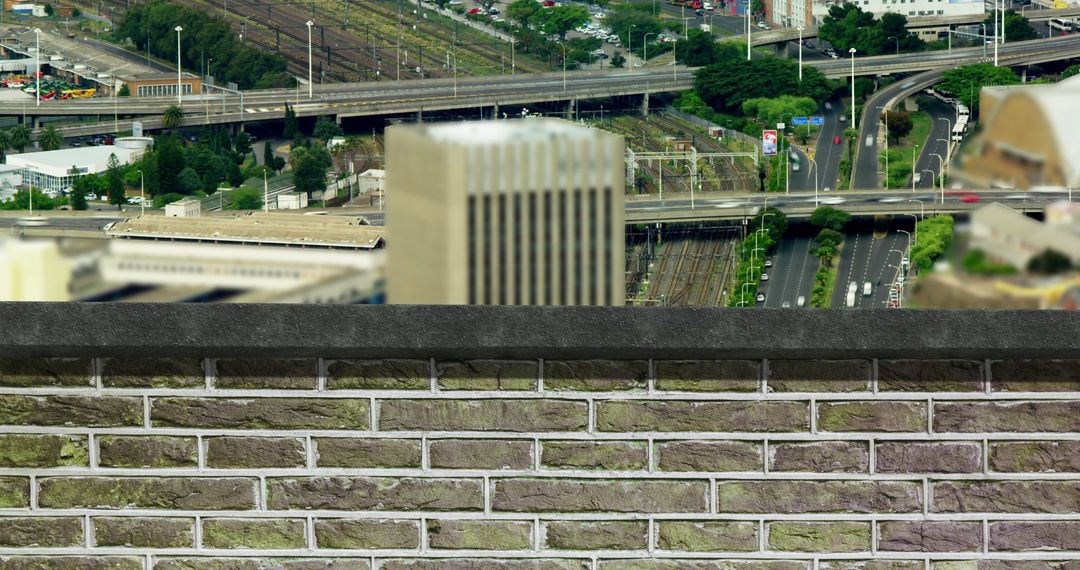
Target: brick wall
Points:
x,y
534,464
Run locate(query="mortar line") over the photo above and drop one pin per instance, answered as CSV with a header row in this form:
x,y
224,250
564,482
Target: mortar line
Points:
x,y
373,414
764,379
874,376
200,452
651,540
148,562
765,458
309,446
537,450
872,443
591,426
537,545
424,535
33,492
487,495
761,535
262,493
813,416
650,454
198,533
926,496
146,412
433,381
930,416
88,532
97,369
425,453
91,450
986,456
714,497
309,528
874,536
209,366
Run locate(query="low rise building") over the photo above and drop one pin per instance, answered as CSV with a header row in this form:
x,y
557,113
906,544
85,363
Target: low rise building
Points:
x,y
186,208
370,181
1012,237
292,201
913,9
56,170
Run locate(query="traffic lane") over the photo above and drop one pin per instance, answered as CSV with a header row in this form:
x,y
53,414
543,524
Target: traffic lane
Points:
x,y
81,223
866,155
870,269
779,273
886,262
799,268
828,152
854,246
936,143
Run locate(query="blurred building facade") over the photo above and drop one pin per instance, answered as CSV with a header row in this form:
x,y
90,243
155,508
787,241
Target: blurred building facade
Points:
x,y
513,212
1031,136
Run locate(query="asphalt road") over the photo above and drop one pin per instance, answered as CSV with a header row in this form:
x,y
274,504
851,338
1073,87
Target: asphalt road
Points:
x,y
866,258
73,223
827,155
793,269
936,143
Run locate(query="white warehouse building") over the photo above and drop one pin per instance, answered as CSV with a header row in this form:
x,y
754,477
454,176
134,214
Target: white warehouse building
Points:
x,y
911,8
51,171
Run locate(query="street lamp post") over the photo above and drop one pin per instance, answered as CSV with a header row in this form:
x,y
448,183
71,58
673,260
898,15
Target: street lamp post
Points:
x,y
179,90
931,178
800,52
37,74
142,193
563,46
914,240
266,193
630,48
749,3
922,207
914,164
941,175
908,234
813,165
309,23
645,43
897,43
852,52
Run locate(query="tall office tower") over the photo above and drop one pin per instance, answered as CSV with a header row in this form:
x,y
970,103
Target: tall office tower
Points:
x,y
512,212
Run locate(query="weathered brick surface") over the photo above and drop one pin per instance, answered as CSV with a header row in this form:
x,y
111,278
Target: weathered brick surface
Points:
x,y
670,416
483,415
971,417
367,533
14,492
188,493
930,536
253,533
153,373
554,495
147,451
544,464
481,454
930,375
367,453
800,536
374,493
928,457
1041,535
819,496
1035,375
820,456
1035,456
260,413
70,372
708,375
819,375
707,536
597,535
709,456
87,411
41,531
146,532
613,455
488,374
479,535
378,374
25,450
871,416
225,452
266,373
1005,497
596,375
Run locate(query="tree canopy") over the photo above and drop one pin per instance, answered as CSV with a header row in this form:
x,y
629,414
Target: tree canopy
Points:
x,y
964,82
621,18
154,22
726,85
701,48
1017,27
847,26
827,217
769,112
558,20
1049,262
898,124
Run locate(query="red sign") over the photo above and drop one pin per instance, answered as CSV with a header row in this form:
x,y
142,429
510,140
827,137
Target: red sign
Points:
x,y
768,143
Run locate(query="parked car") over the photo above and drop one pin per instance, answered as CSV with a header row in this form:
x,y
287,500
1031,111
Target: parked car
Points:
x,y
473,11
763,25
836,140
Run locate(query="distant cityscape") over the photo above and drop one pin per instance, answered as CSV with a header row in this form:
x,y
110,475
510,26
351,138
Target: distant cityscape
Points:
x,y
770,153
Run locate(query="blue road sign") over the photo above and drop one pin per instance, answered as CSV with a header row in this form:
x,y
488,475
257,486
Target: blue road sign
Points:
x,y
799,120
817,121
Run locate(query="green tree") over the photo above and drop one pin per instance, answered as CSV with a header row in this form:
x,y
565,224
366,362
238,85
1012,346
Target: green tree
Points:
x,y
726,85
964,82
560,19
78,190
242,144
170,161
21,201
19,136
617,60
1049,262
624,20
114,179
1070,71
976,262
234,175
700,49
124,91
173,117
268,155
5,142
188,181
769,112
757,8
326,129
898,125
521,12
775,223
309,166
50,139
292,127
1017,27
49,10
246,199
847,26
829,218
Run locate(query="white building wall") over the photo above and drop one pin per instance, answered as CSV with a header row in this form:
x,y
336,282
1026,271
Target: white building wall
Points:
x,y
909,8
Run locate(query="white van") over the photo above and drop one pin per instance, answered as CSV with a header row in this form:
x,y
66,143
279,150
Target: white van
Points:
x,y
801,301
867,289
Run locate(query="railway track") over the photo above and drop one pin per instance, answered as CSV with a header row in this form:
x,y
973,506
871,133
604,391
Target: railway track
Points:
x,y
742,177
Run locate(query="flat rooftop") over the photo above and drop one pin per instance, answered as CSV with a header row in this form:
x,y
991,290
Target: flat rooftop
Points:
x,y
257,228
487,133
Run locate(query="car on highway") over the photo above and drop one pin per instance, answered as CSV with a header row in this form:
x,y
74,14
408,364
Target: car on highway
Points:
x,y
969,198
828,106
768,263
761,297
800,302
826,189
869,140
763,25
785,305
916,178
795,166
891,200
832,201
867,289
764,276
836,140
843,118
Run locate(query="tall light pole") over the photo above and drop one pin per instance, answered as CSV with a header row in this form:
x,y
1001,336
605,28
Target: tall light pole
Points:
x,y
179,82
674,60
916,239
629,48
813,165
266,193
922,206
914,165
309,24
800,52
645,42
852,52
999,31
897,43
941,175
142,193
563,46
37,74
749,3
